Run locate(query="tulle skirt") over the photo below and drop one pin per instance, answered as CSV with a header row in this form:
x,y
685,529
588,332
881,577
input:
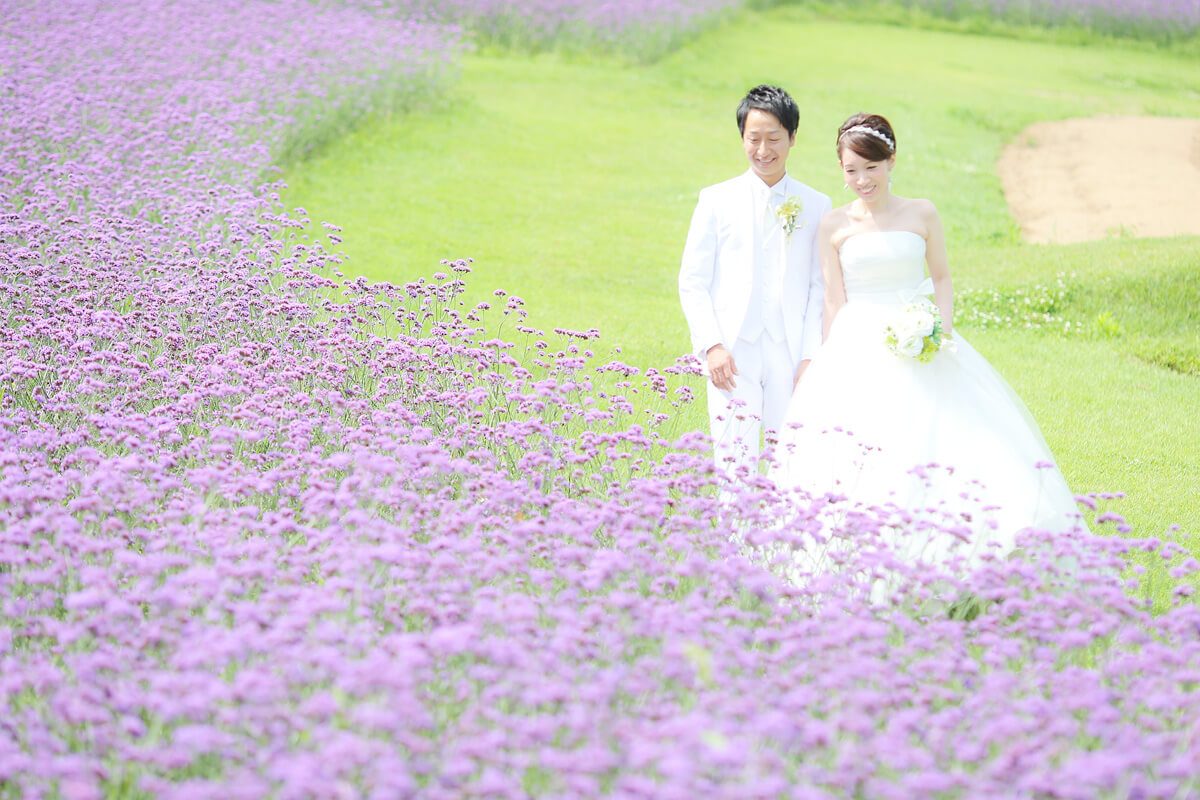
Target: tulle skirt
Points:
x,y
947,440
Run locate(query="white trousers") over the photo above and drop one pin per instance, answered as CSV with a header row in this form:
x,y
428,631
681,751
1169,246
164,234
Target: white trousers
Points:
x,y
759,401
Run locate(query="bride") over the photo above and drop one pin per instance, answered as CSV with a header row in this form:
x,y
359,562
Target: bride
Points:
x,y
944,438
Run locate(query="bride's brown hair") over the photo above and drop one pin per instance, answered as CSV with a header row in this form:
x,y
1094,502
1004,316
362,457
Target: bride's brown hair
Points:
x,y
868,135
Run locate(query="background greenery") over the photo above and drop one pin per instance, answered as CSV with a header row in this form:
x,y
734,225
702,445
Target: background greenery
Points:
x,y
571,182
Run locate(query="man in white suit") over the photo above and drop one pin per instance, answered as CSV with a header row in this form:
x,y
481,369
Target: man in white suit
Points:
x,y
750,281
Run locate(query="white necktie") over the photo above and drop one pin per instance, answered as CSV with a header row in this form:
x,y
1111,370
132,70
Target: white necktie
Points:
x,y
769,217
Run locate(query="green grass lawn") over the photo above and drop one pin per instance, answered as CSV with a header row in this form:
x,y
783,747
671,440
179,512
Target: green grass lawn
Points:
x,y
571,183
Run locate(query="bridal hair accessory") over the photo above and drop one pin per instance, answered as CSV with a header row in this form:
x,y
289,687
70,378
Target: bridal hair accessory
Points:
x,y
917,333
788,212
870,132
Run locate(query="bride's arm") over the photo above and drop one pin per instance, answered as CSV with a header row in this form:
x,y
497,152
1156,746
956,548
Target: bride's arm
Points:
x,y
939,267
831,272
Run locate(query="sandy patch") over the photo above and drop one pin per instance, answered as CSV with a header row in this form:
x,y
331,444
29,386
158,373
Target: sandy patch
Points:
x,y
1083,179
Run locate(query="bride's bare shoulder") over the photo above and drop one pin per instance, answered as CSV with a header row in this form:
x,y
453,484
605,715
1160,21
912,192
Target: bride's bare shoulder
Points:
x,y
919,206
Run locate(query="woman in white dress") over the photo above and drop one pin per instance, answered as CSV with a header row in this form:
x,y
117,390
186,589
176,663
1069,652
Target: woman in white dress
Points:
x,y
944,439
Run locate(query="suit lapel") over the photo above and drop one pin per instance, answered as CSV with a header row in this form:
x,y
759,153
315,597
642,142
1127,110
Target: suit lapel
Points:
x,y
743,217
746,210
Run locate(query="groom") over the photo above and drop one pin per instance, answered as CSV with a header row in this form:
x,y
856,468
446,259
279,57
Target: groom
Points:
x,y
750,282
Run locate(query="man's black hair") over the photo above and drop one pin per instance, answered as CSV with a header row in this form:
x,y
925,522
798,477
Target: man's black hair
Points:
x,y
774,101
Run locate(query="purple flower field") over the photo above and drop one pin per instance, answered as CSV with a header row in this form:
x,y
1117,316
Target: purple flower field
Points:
x,y
644,29
266,531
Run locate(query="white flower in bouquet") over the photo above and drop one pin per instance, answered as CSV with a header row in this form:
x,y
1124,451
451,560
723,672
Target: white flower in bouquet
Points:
x,y
910,345
917,332
922,319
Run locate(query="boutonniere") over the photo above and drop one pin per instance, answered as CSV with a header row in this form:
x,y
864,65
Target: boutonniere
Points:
x,y
788,212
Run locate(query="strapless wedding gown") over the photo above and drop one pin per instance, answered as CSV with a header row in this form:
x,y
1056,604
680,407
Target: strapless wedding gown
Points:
x,y
948,439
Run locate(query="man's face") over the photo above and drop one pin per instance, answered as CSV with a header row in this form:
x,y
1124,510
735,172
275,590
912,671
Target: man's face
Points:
x,y
767,145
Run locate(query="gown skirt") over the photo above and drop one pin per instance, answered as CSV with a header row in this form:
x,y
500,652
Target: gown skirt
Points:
x,y
948,439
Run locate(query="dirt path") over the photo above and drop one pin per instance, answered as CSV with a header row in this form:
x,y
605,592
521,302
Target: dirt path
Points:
x,y
1083,179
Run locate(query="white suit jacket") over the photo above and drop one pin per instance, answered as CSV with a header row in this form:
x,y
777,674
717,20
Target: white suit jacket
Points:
x,y
718,267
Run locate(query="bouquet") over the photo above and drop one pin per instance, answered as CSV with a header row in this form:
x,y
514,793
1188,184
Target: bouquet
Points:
x,y
917,332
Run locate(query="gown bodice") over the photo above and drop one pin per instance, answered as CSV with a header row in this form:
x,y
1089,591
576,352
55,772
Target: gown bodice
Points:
x,y
883,266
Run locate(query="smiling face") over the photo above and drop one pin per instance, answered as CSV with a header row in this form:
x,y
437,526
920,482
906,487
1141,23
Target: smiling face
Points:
x,y
767,145
868,179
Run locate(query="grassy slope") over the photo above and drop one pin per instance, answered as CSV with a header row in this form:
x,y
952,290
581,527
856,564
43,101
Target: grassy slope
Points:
x,y
572,182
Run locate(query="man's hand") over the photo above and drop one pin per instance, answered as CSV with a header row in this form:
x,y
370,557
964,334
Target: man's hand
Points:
x,y
721,368
800,371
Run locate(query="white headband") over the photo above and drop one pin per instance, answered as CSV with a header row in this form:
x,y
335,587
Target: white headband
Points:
x,y
871,132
